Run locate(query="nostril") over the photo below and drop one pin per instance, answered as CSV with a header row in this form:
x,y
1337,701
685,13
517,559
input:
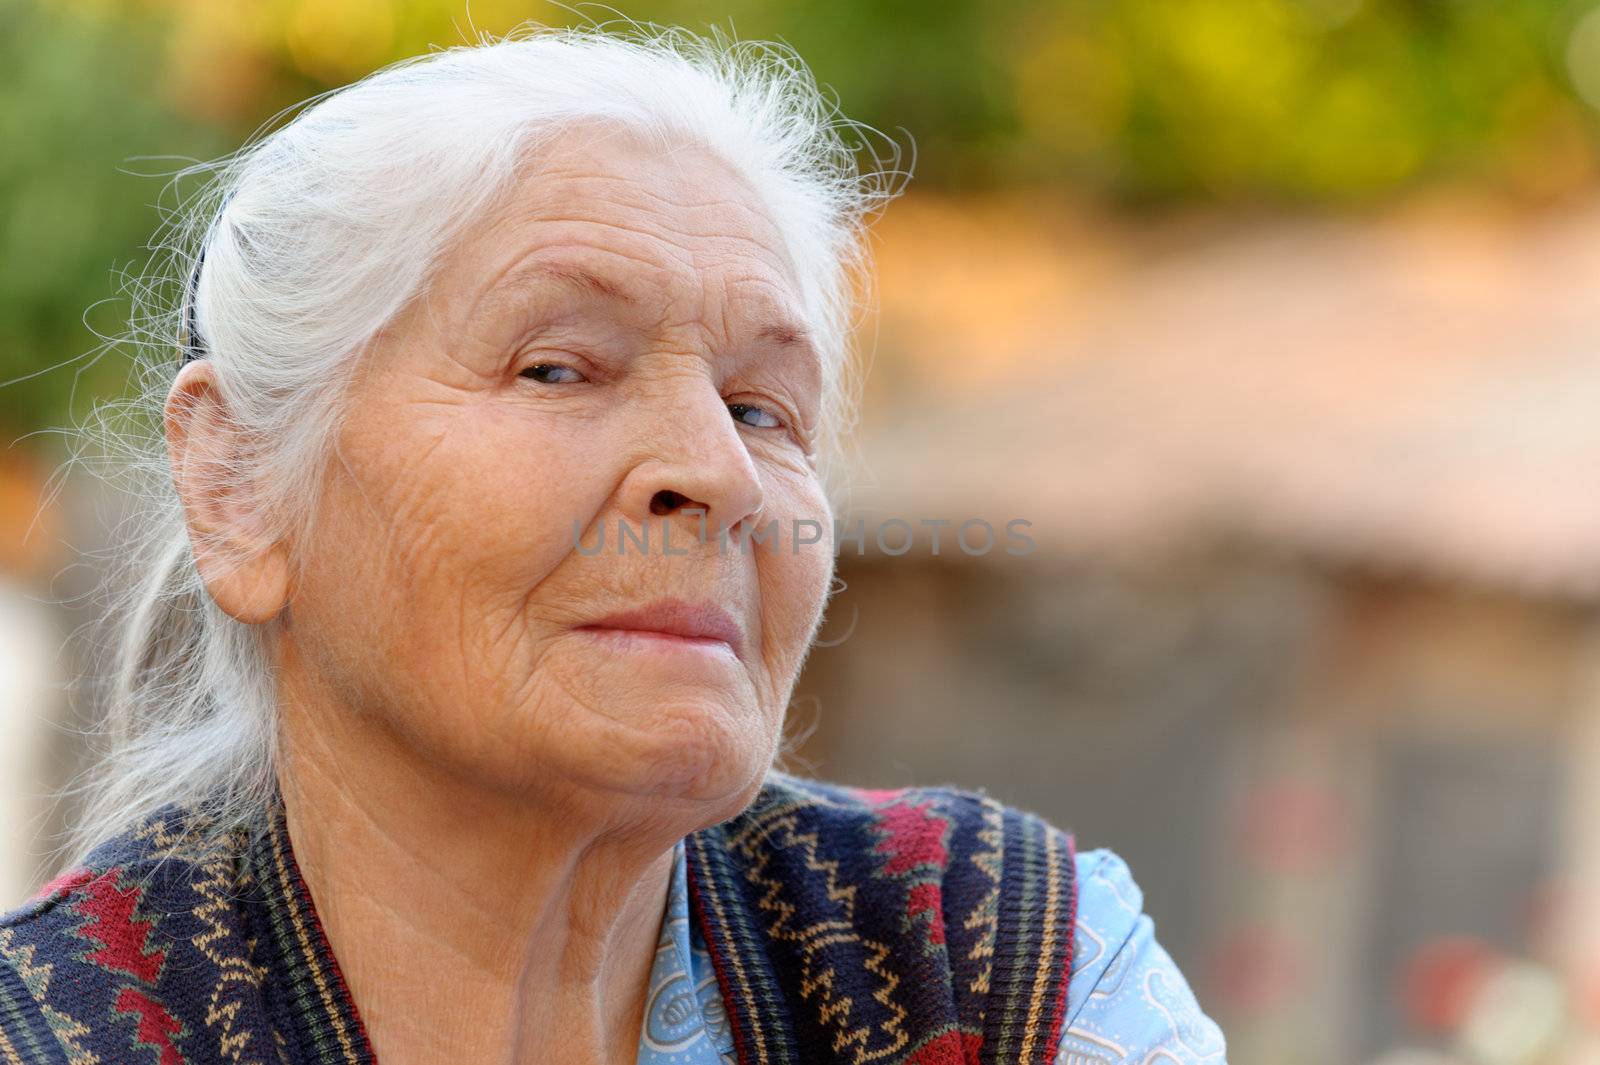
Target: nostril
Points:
x,y
666,501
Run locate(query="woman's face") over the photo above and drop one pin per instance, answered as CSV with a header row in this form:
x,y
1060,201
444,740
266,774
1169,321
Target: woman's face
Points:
x,y
619,345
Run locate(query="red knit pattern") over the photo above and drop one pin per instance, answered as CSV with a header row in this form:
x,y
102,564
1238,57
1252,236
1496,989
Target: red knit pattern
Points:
x,y
122,938
912,836
156,1025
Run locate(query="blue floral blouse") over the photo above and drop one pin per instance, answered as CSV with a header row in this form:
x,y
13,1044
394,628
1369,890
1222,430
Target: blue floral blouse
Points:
x,y
1127,1001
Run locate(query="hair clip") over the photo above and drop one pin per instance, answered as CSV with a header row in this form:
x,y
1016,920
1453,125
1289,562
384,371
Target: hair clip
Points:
x,y
190,342
192,345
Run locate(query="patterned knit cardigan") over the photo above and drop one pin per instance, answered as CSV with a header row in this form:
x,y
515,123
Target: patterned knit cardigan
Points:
x,y
919,926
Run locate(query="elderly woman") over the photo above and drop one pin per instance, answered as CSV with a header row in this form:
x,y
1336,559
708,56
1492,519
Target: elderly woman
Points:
x,y
412,758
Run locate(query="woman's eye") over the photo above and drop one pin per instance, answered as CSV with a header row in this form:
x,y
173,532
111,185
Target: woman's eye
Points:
x,y
545,371
763,418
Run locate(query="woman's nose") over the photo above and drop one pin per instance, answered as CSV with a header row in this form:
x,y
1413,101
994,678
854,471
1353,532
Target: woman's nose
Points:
x,y
697,472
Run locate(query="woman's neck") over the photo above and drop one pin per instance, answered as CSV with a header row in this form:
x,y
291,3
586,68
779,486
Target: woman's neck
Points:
x,y
472,925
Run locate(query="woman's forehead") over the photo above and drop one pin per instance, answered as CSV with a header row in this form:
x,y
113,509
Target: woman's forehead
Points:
x,y
653,208
637,233
573,285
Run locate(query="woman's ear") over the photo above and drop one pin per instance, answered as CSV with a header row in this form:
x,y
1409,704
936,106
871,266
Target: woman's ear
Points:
x,y
246,571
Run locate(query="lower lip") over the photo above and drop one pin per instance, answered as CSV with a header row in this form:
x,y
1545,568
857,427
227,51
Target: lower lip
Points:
x,y
652,640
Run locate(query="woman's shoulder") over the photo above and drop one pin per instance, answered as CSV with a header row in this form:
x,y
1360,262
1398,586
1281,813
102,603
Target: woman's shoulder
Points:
x,y
958,818
1127,998
782,789
107,868
171,844
119,933
927,823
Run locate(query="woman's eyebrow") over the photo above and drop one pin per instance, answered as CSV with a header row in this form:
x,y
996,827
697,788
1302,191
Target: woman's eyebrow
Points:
x,y
517,282
786,333
576,277
782,331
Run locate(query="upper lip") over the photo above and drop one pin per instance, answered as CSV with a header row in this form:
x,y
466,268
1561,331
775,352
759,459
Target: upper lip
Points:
x,y
678,617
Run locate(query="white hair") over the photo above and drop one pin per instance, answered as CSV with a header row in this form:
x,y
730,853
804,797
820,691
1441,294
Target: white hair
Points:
x,y
305,242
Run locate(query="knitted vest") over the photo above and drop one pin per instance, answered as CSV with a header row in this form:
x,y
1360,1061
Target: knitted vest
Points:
x,y
920,926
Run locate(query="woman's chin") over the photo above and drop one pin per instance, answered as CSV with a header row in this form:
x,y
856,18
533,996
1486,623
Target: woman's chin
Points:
x,y
667,706
699,748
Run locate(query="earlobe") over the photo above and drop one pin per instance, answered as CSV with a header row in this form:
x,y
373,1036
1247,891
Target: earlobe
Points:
x,y
253,591
244,570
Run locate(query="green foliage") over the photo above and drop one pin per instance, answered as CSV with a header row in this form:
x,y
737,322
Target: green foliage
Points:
x,y
76,112
1311,102
1299,100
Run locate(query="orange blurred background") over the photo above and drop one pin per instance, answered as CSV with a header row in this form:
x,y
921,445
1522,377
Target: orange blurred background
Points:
x,y
1275,318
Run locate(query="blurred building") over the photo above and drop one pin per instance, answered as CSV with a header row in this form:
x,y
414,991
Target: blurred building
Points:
x,y
1309,635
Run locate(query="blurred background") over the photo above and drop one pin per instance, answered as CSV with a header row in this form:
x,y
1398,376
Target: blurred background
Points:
x,y
1278,319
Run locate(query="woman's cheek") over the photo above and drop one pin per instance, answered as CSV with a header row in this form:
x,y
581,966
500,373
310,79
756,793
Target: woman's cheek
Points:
x,y
795,580
516,486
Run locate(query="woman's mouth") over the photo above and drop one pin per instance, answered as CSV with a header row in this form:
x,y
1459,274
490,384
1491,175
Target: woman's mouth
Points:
x,y
672,624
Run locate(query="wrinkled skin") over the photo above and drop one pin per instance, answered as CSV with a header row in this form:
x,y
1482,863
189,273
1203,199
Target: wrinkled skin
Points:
x,y
483,797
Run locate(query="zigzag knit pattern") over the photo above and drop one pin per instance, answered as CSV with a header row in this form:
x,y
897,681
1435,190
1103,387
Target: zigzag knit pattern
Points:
x,y
915,926
921,926
157,951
